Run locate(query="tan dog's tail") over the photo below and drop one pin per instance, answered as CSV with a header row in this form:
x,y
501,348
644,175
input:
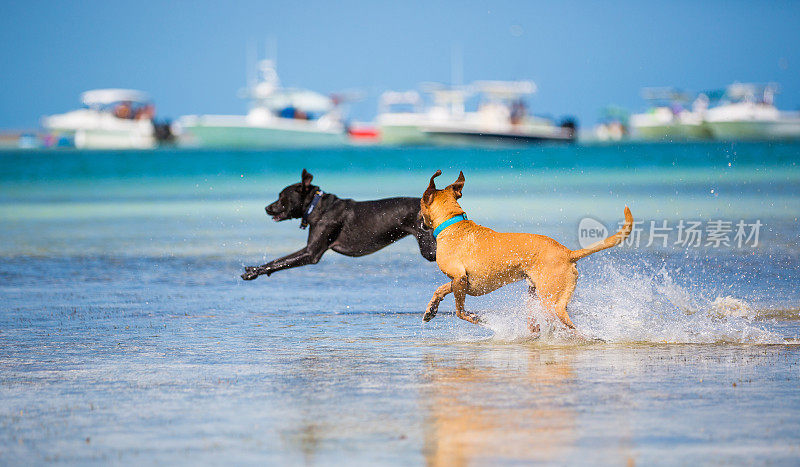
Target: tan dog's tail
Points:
x,y
613,240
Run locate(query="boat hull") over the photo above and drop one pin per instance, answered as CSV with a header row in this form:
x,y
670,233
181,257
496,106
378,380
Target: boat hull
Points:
x,y
467,138
91,129
756,130
673,132
255,137
111,139
454,135
403,135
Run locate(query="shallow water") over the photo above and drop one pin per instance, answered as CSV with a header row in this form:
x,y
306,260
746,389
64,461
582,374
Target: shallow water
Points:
x,y
126,335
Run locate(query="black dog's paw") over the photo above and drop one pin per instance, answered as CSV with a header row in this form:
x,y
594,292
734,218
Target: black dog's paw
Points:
x,y
250,273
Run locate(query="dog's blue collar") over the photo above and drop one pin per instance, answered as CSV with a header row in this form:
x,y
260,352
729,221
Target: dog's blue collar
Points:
x,y
314,202
448,223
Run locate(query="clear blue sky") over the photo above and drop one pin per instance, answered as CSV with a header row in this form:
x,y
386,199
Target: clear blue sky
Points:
x,y
191,56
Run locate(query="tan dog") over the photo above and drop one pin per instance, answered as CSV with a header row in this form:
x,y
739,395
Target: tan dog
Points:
x,y
479,260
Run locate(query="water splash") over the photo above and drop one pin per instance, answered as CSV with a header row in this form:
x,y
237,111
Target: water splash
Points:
x,y
622,305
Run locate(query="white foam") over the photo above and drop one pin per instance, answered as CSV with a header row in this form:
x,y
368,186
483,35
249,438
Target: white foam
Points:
x,y
620,305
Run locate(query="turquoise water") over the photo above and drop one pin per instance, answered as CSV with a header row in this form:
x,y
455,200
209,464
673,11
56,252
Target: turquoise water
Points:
x,y
127,336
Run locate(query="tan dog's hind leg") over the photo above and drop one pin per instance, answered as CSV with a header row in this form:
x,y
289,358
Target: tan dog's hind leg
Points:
x,y
556,291
560,310
460,286
438,296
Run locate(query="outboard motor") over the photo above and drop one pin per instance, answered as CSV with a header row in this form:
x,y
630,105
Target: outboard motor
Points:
x,y
570,125
163,131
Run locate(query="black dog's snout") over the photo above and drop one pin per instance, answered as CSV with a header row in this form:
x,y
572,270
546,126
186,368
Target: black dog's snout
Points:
x,y
277,211
271,209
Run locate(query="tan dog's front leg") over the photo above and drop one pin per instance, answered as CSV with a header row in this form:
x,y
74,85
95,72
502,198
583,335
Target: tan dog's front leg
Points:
x,y
460,293
533,326
438,296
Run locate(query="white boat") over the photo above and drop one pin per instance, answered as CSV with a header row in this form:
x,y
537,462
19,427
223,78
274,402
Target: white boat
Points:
x,y
613,126
401,117
112,119
501,117
669,120
278,118
749,114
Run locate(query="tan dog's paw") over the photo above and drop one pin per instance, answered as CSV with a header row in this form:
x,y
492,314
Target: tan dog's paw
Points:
x,y
533,326
473,318
469,316
581,336
430,313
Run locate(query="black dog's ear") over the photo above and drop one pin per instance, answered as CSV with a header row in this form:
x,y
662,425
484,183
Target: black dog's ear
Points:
x,y
431,187
307,177
458,185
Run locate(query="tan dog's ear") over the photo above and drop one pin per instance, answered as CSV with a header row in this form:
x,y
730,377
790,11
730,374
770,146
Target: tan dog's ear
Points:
x,y
428,195
458,185
306,177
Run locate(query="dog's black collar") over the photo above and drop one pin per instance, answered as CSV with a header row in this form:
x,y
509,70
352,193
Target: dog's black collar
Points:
x,y
314,202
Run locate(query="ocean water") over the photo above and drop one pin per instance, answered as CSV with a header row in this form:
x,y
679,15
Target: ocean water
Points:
x,y
126,335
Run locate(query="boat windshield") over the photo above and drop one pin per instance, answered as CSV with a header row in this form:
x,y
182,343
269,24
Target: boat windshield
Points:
x,y
127,110
128,104
400,102
750,92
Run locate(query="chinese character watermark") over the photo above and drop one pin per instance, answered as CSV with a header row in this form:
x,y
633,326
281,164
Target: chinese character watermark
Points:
x,y
683,233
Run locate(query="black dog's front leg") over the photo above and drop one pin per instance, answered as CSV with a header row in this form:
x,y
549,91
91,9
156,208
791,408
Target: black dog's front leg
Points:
x,y
251,272
296,259
311,254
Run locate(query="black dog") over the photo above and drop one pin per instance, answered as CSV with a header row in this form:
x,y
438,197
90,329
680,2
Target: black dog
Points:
x,y
352,228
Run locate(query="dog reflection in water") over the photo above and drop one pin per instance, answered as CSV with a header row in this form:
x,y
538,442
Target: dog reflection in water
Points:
x,y
479,412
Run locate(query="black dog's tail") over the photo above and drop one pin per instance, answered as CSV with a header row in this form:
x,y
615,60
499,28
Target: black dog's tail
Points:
x,y
613,240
